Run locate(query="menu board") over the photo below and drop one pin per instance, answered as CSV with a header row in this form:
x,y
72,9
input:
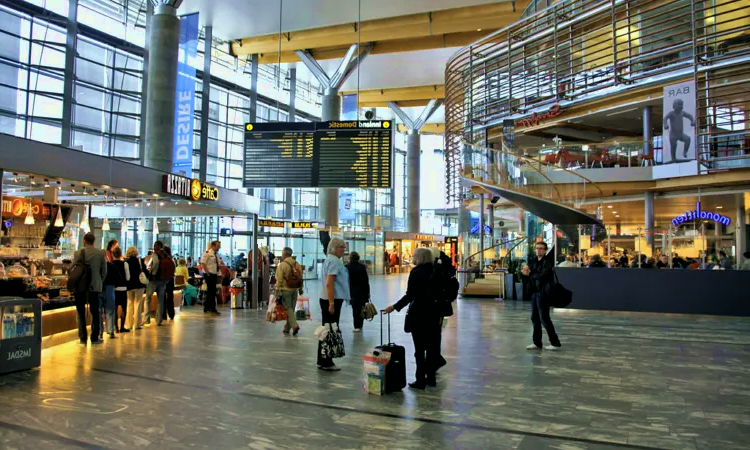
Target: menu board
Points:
x,y
334,154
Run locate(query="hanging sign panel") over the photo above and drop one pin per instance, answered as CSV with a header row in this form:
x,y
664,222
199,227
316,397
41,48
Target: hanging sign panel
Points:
x,y
679,122
182,153
333,154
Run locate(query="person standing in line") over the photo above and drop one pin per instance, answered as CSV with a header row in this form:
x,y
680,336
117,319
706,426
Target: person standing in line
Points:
x,y
121,291
422,318
540,277
135,289
111,245
359,289
288,286
211,266
151,262
161,277
334,290
169,291
113,279
96,259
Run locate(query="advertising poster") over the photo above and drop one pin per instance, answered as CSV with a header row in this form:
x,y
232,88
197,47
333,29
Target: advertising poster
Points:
x,y
184,108
349,107
346,206
679,141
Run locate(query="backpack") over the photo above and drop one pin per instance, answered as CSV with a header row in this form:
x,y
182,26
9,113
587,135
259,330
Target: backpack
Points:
x,y
166,267
79,276
444,289
294,280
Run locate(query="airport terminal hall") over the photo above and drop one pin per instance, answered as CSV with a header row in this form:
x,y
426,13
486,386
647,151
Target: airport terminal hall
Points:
x,y
375,224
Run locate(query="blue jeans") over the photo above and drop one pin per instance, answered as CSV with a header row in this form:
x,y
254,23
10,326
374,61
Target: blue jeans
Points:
x,y
110,307
161,288
540,317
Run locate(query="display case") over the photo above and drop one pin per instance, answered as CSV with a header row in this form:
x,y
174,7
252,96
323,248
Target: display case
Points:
x,y
21,336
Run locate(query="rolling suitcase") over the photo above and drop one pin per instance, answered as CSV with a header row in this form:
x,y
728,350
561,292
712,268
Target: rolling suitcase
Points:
x,y
395,369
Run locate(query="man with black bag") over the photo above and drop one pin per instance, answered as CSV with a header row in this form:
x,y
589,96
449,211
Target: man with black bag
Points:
x,y
88,273
541,278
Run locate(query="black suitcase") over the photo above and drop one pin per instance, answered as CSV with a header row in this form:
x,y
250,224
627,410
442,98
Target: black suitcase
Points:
x,y
395,371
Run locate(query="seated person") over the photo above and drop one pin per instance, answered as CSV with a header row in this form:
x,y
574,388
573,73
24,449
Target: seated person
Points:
x,y
663,262
596,261
568,262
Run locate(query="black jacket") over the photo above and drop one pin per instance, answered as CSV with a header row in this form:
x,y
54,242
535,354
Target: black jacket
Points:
x,y
120,265
541,275
422,305
359,282
114,276
135,266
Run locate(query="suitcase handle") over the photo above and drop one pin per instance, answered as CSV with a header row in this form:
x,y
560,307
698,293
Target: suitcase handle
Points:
x,y
381,326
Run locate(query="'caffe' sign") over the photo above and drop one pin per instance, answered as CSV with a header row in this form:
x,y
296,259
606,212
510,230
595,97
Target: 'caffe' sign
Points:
x,y
14,207
191,189
536,119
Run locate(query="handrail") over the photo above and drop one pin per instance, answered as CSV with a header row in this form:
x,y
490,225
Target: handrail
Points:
x,y
510,252
490,248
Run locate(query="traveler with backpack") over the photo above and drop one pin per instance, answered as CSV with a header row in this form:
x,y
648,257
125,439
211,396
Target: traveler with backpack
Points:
x,y
121,291
211,266
422,317
162,276
136,288
359,288
85,280
288,286
447,286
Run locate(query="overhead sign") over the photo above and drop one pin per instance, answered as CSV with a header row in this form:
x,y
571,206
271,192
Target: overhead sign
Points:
x,y
334,154
191,189
537,119
14,207
184,107
451,240
695,214
270,223
304,225
424,237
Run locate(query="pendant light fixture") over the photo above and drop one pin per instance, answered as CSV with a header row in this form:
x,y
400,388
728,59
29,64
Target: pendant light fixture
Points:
x,y
156,227
29,220
105,224
85,221
59,220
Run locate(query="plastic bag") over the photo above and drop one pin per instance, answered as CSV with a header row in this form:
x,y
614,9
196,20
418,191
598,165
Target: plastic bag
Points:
x,y
302,309
271,311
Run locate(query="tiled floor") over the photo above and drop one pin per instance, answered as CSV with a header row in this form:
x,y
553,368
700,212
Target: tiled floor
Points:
x,y
621,381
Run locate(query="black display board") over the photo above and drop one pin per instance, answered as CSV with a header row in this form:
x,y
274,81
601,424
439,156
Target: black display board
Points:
x,y
334,154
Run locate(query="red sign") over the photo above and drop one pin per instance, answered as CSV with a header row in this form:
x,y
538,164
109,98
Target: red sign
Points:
x,y
536,119
15,207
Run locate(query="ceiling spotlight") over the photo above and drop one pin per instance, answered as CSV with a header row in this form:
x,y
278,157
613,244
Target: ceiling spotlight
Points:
x,y
614,212
148,204
617,215
190,203
161,203
479,29
46,183
32,180
719,207
73,188
15,178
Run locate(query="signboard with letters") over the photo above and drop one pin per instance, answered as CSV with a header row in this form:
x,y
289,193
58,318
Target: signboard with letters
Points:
x,y
304,225
270,223
191,189
695,214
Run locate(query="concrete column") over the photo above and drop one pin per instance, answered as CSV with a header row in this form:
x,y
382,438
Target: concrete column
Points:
x,y
144,92
292,118
648,132
740,226
328,199
162,87
205,103
413,155
649,219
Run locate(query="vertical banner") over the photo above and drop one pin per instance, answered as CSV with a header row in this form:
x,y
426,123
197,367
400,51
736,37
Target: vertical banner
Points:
x,y
349,107
679,123
182,153
346,206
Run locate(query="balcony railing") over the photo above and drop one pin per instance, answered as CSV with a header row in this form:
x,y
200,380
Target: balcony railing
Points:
x,y
580,50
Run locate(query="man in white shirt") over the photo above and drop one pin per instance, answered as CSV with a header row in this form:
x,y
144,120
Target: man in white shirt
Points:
x,y
211,265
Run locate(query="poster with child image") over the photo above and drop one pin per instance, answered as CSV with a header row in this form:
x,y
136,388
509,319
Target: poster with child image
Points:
x,y
679,141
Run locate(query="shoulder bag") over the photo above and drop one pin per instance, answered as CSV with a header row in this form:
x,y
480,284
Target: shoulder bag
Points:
x,y
559,296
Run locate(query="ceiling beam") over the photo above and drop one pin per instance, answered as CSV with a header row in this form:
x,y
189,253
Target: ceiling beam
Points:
x,y
403,97
428,128
445,28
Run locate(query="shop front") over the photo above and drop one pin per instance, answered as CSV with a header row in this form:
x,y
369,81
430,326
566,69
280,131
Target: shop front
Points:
x,y
51,196
399,249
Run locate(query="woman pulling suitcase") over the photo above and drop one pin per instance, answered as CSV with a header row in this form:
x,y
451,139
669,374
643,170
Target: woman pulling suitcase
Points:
x,y
421,319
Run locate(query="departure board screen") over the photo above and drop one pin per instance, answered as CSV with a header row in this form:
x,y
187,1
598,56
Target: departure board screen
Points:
x,y
334,154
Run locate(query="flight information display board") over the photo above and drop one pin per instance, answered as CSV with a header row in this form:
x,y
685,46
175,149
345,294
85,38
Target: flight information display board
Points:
x,y
333,154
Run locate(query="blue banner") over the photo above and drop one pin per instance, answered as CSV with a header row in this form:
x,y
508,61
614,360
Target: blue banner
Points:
x,y
182,153
346,206
349,107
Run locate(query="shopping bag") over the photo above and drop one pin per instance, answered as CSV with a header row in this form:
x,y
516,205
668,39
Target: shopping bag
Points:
x,y
332,345
281,313
302,309
375,362
271,311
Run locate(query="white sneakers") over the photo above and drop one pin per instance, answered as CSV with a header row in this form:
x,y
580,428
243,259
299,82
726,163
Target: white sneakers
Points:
x,y
358,330
549,347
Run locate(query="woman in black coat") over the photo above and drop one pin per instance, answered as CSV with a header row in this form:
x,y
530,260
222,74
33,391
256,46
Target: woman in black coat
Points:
x,y
422,319
359,288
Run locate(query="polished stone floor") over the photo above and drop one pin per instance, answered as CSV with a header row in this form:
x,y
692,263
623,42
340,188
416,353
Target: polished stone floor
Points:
x,y
639,381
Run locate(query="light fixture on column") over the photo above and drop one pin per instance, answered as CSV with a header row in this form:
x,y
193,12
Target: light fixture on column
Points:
x,y
105,224
85,221
29,220
59,219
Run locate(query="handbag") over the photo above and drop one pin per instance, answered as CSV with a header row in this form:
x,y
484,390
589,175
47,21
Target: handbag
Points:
x,y
407,321
332,346
369,311
559,296
143,278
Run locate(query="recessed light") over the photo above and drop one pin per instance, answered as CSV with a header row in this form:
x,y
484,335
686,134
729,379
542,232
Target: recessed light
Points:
x,y
479,29
609,206
105,186
614,212
719,207
617,215
124,190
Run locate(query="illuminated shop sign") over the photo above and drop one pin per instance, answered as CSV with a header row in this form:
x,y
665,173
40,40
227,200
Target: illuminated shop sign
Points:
x,y
695,214
270,223
536,119
304,225
192,189
423,237
451,240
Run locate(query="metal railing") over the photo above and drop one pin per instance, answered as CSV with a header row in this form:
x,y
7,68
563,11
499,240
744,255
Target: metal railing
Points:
x,y
580,50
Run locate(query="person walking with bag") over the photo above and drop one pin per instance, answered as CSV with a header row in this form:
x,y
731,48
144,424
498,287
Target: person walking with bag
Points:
x,y
163,275
288,286
359,289
136,288
540,278
96,260
211,266
421,318
334,291
121,290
